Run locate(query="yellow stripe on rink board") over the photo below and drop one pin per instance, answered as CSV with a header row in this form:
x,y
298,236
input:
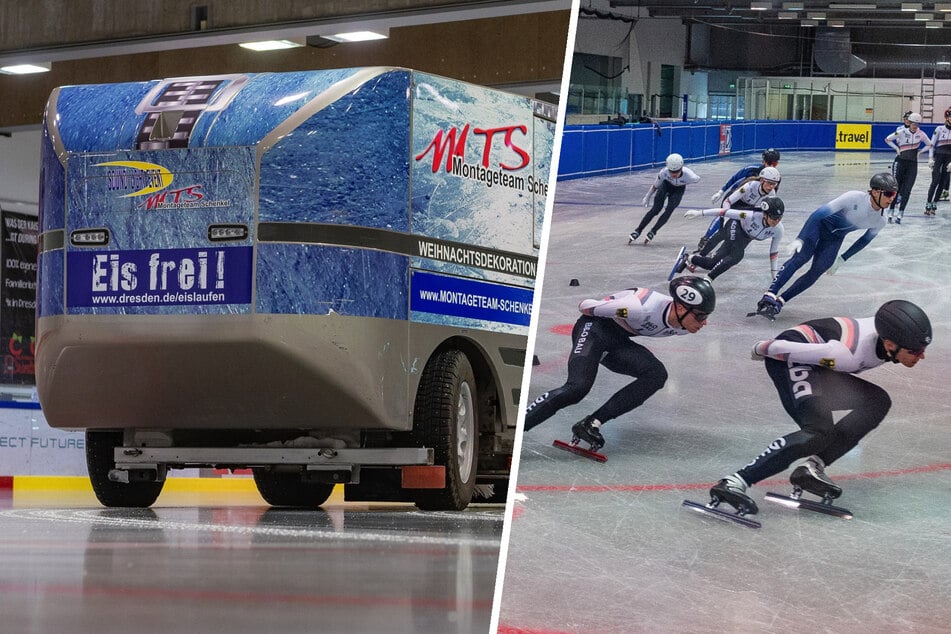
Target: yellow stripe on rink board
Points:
x,y
77,489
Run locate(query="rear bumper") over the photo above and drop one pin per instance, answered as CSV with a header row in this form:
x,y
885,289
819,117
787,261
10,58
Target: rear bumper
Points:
x,y
223,371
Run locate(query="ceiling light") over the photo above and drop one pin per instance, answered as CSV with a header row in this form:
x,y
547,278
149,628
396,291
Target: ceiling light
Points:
x,y
922,17
793,6
357,36
271,45
788,15
911,6
933,24
809,23
26,69
836,24
942,8
850,6
816,16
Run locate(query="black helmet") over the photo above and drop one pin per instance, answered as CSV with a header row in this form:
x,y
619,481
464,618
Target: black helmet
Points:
x,y
773,208
903,323
771,156
904,117
947,113
696,293
883,180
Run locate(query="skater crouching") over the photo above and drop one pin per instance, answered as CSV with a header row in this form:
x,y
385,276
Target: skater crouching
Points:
x,y
741,228
822,235
669,186
603,336
813,367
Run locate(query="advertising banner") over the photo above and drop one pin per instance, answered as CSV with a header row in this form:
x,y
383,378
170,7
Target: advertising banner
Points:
x,y
726,138
17,329
853,136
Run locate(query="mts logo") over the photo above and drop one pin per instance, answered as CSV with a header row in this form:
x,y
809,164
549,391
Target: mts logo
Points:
x,y
453,143
173,198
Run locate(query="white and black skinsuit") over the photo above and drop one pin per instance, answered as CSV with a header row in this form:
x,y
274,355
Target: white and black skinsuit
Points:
x,y
603,336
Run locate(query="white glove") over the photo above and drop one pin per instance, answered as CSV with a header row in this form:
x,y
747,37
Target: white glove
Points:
x,y
931,163
716,197
693,213
758,353
646,201
795,247
835,265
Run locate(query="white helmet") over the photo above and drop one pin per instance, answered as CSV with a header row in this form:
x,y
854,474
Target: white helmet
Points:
x,y
675,162
914,117
770,174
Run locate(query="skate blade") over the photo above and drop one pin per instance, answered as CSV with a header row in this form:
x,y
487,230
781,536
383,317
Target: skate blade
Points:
x,y
680,256
575,449
809,505
726,516
761,314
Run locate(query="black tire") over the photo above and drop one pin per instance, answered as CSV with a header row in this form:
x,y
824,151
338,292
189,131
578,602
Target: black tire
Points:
x,y
288,489
100,460
446,418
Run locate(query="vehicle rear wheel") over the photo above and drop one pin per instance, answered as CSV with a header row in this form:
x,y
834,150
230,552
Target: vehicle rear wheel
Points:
x,y
287,488
100,460
446,419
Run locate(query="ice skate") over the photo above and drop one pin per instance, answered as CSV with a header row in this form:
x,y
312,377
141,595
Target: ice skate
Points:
x,y
650,236
584,430
810,477
634,235
944,195
679,264
769,306
731,490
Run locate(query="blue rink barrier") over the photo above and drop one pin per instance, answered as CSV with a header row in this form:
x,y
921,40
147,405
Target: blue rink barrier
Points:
x,y
592,150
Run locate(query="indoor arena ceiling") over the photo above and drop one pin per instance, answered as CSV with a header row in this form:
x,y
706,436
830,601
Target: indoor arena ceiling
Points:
x,y
751,15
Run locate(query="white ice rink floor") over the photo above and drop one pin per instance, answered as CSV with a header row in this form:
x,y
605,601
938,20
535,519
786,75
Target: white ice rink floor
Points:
x,y
225,563
609,548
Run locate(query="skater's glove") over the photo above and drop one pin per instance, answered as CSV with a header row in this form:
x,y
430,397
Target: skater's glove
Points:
x,y
716,197
692,213
646,200
795,247
759,350
931,163
835,265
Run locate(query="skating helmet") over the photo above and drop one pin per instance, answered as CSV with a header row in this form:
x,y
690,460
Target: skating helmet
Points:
x,y
770,174
914,117
771,156
675,162
947,113
884,181
904,117
696,293
773,208
904,323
